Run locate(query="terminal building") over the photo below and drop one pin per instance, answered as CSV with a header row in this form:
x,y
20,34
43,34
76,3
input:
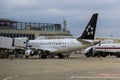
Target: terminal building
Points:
x,y
12,28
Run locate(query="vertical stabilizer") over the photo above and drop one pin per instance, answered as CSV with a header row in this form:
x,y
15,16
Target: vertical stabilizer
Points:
x,y
90,29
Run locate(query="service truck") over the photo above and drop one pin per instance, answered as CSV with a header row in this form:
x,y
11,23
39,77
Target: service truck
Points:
x,y
104,48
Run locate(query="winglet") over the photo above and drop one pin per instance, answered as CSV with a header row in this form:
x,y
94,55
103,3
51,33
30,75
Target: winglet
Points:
x,y
90,29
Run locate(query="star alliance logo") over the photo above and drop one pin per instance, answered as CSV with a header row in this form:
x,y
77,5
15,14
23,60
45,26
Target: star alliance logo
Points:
x,y
89,30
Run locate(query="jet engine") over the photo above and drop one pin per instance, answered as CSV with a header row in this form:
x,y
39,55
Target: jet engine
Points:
x,y
29,53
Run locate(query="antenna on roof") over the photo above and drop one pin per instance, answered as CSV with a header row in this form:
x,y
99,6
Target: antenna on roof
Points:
x,y
64,23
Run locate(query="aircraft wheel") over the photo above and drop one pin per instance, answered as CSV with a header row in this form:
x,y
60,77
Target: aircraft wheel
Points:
x,y
26,56
117,55
88,54
94,55
61,56
51,56
44,56
102,54
67,56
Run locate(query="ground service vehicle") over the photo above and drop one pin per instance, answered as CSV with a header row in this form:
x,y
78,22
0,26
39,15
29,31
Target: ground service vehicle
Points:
x,y
104,48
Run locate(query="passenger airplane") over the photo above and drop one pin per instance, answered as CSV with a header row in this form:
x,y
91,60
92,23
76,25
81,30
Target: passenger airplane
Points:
x,y
49,48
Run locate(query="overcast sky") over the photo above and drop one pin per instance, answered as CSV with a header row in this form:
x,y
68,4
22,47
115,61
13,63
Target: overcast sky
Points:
x,y
76,12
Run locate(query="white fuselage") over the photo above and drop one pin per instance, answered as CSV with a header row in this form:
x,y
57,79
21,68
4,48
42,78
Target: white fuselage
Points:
x,y
113,47
56,45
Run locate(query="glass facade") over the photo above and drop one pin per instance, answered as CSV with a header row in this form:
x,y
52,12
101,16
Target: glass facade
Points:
x,y
30,36
10,24
29,29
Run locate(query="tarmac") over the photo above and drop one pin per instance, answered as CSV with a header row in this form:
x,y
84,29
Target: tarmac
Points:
x,y
77,67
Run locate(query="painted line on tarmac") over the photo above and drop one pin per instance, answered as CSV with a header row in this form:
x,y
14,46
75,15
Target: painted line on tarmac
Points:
x,y
109,74
15,76
10,77
78,77
33,73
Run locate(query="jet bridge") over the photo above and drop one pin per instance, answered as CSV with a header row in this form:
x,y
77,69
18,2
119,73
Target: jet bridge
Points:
x,y
10,46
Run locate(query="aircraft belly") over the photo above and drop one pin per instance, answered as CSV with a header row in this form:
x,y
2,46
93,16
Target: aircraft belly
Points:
x,y
67,49
62,50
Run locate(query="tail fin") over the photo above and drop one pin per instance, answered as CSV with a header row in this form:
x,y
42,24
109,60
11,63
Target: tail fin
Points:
x,y
89,31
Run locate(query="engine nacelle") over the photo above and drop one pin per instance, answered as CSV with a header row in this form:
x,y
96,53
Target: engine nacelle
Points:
x,y
29,53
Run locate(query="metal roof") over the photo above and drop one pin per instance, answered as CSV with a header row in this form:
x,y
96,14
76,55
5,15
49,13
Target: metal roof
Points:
x,y
7,20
